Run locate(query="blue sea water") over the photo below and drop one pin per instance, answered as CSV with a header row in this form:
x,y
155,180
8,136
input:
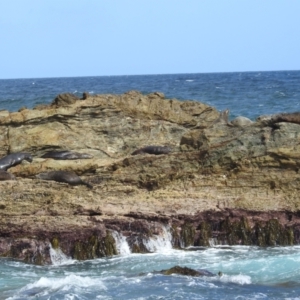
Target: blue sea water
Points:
x,y
248,272
248,94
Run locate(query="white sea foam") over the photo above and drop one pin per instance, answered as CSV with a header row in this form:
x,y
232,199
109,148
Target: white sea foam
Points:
x,y
189,80
58,257
65,283
239,279
212,242
160,243
121,243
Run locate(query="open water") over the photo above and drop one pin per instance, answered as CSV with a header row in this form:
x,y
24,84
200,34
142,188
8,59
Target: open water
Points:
x,y
248,94
248,272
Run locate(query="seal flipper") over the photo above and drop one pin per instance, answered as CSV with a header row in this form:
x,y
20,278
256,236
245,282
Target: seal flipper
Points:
x,y
87,184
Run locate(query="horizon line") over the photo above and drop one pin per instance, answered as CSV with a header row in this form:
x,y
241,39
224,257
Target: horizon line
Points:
x,y
151,74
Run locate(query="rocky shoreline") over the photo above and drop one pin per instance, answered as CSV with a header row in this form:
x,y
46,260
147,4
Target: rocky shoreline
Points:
x,y
221,183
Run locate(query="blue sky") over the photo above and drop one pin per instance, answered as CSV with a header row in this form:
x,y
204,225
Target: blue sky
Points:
x,y
58,38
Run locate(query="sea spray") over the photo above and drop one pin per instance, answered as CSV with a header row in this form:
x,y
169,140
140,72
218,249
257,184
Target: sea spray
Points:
x,y
159,243
213,242
69,287
121,243
58,257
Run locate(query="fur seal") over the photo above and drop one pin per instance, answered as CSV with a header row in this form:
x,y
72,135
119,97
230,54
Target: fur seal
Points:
x,y
156,150
63,176
6,176
14,159
240,122
65,154
283,117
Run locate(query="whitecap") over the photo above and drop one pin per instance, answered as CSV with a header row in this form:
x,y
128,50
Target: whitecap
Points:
x,y
65,283
239,279
189,80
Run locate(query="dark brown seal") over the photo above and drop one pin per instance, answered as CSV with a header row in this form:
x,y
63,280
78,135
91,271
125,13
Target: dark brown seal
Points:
x,y
6,176
156,150
277,118
14,159
63,176
64,155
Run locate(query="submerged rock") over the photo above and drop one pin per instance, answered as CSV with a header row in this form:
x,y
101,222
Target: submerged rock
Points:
x,y
187,271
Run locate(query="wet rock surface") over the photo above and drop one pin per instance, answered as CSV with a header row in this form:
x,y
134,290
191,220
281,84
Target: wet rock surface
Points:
x,y
220,184
186,272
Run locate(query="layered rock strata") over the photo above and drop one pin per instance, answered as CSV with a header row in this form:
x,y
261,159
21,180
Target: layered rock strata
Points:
x,y
219,184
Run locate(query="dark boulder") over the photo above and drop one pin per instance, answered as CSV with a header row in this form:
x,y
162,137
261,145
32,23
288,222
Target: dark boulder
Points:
x,y
186,271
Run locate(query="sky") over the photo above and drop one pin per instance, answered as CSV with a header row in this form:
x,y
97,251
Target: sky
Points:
x,y
66,38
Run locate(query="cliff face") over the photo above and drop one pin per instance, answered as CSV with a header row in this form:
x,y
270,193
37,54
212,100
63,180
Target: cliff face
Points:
x,y
221,183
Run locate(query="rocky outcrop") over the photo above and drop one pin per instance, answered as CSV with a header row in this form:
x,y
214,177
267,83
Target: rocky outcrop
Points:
x,y
187,272
218,184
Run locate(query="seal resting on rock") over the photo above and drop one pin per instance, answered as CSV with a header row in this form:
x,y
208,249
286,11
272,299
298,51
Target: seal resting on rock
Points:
x,y
14,159
63,176
240,122
6,176
65,154
156,150
276,118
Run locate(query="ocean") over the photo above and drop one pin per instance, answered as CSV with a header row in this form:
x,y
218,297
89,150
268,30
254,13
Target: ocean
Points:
x,y
248,272
248,94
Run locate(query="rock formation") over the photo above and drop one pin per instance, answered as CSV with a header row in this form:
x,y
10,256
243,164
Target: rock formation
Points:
x,y
220,184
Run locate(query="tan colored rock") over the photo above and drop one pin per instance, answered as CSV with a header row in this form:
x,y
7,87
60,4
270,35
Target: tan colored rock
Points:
x,y
214,172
